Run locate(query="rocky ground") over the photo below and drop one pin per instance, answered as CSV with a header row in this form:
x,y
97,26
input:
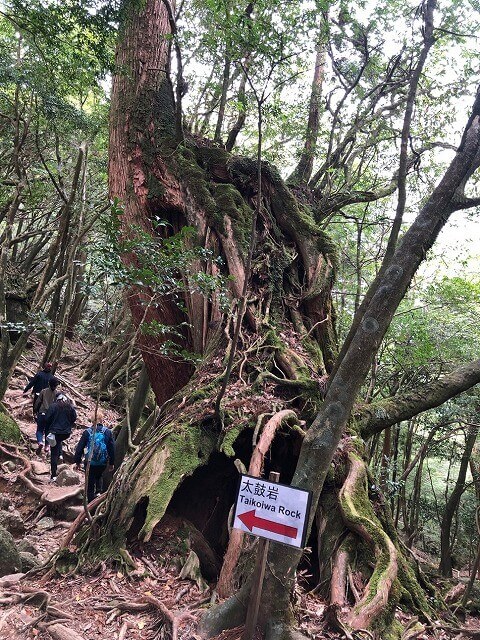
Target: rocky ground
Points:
x,y
141,601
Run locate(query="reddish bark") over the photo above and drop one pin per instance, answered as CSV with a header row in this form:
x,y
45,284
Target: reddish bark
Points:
x,y
141,102
339,578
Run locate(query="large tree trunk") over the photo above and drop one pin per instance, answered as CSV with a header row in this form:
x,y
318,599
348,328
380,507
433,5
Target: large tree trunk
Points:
x,y
287,346
141,117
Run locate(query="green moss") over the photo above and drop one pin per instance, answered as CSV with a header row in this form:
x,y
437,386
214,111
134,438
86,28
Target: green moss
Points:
x,y
473,602
209,157
298,218
9,429
406,587
392,631
229,437
229,202
359,511
272,339
202,392
412,593
107,548
188,448
242,170
314,351
66,561
10,561
293,216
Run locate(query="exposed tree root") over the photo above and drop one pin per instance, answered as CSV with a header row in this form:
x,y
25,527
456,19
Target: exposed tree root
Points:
x,y
466,633
225,585
42,600
175,619
60,631
74,527
227,615
25,471
145,602
359,517
77,523
46,496
339,574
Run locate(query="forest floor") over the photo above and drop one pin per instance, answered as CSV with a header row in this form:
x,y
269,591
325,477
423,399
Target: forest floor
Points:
x,y
153,599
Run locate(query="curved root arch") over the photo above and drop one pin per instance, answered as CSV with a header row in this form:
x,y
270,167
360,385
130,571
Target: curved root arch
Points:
x,y
359,517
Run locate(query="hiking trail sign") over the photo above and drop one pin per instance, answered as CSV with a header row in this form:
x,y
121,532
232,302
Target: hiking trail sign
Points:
x,y
272,510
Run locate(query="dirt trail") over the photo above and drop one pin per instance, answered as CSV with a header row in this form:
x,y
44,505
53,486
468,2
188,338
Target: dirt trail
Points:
x,y
103,603
69,372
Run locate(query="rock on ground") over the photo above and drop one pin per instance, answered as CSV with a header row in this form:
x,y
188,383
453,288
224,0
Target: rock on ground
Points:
x,y
26,545
62,467
10,561
10,579
28,561
68,478
46,523
12,521
5,501
40,468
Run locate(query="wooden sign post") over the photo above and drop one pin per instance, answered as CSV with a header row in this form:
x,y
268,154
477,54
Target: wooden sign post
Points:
x,y
277,512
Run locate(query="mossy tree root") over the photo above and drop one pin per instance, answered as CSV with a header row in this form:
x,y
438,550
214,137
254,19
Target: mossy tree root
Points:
x,y
153,473
377,605
338,580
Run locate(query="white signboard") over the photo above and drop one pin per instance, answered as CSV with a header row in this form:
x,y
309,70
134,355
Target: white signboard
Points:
x,y
272,510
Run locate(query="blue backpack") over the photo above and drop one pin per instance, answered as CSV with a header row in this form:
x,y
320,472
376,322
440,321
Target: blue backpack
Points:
x,y
97,440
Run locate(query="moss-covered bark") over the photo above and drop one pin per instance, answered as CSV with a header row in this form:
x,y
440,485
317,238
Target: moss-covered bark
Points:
x,y
9,429
380,596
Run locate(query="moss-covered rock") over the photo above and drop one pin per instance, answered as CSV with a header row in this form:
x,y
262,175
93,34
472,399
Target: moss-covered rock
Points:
x,y
9,429
12,521
10,561
29,561
26,545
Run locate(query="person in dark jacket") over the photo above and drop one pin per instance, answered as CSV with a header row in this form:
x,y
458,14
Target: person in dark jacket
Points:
x,y
59,421
41,405
39,382
99,447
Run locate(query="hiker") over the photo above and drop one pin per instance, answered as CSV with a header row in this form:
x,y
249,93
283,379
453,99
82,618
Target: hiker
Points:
x,y
41,405
59,421
39,382
99,447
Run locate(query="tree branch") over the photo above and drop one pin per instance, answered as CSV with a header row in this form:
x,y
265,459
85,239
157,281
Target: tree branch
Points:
x,y
377,416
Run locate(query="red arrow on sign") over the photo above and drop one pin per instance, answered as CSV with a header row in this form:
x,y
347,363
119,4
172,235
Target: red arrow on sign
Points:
x,y
250,520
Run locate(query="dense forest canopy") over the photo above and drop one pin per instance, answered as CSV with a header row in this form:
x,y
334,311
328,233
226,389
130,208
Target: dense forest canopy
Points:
x,y
237,206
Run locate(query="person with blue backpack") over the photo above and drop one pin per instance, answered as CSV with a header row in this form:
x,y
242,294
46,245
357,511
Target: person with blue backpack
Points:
x,y
98,445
